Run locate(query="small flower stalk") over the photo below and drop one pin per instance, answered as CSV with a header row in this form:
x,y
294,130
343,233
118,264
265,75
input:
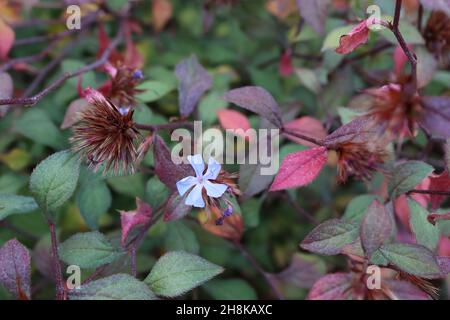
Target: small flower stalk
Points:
x,y
106,135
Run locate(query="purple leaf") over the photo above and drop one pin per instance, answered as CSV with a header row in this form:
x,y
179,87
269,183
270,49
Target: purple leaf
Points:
x,y
194,82
403,290
435,118
131,219
303,271
167,171
330,237
376,228
334,286
314,13
15,274
258,100
175,208
357,130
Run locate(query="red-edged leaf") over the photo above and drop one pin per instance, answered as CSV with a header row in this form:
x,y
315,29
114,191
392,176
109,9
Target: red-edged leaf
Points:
x,y
358,130
258,100
73,111
300,168
15,274
194,82
6,91
314,13
175,208
131,219
161,13
286,68
376,228
168,172
435,117
334,286
403,290
7,37
358,36
331,236
234,120
307,126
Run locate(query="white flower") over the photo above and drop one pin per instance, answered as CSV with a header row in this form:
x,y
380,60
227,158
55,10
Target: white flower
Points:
x,y
214,190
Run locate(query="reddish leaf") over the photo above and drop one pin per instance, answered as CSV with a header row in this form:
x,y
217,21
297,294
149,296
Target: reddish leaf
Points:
x,y
73,111
358,36
300,168
175,208
400,59
15,274
314,13
376,228
444,247
286,67
7,37
334,286
258,100
194,82
131,219
307,126
168,172
435,118
358,130
438,182
234,120
161,13
403,290
132,57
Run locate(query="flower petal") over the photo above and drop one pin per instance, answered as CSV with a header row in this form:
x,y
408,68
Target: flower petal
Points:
x,y
213,169
197,163
185,184
195,197
215,190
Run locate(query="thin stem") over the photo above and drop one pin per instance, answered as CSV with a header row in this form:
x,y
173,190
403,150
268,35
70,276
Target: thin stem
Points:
x,y
301,136
28,59
60,291
410,54
434,192
60,81
301,212
267,276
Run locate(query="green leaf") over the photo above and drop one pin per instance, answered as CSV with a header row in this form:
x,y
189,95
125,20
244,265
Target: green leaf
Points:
x,y
426,234
250,212
230,289
36,125
156,192
180,237
93,200
357,207
115,287
413,259
154,90
14,204
54,180
132,186
331,236
88,250
406,176
332,39
178,272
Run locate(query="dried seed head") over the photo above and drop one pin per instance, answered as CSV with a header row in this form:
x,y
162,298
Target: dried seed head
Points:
x,y
106,135
437,35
